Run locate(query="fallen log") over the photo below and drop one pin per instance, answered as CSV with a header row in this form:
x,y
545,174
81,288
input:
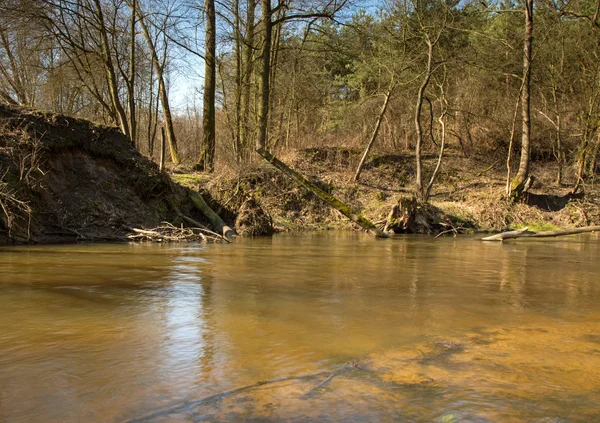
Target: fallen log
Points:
x,y
526,233
328,198
215,220
195,222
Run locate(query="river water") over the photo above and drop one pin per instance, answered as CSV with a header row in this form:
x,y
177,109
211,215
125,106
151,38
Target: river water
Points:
x,y
322,327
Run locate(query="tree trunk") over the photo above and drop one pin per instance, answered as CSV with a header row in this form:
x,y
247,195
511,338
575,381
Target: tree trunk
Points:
x,y
217,223
237,146
161,166
265,71
245,138
131,81
162,91
375,132
438,165
111,75
526,233
207,155
517,186
419,130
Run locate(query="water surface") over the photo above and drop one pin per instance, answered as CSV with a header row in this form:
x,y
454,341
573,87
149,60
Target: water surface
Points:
x,y
318,327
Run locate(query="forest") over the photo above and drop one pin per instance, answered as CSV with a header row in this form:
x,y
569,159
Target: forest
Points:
x,y
518,82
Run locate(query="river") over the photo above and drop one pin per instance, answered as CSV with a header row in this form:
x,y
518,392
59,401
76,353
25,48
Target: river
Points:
x,y
318,327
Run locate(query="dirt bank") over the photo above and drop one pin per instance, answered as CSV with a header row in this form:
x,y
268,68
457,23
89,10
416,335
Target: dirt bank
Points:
x,y
469,195
64,179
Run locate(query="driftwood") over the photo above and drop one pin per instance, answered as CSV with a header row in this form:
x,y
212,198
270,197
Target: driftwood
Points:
x,y
170,233
195,222
526,233
328,198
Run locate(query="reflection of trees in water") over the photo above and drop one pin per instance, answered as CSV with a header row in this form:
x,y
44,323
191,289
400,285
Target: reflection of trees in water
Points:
x,y
152,328
513,276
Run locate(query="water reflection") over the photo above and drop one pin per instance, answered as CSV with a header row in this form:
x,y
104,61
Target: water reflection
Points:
x,y
113,332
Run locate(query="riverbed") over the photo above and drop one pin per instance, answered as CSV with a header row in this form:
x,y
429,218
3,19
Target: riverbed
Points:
x,y
318,327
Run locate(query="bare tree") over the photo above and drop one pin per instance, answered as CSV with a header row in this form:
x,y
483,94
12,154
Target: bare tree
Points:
x,y
522,181
207,154
159,68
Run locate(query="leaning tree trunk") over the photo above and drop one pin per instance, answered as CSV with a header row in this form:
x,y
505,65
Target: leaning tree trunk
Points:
x,y
328,198
162,90
526,233
375,132
521,181
111,76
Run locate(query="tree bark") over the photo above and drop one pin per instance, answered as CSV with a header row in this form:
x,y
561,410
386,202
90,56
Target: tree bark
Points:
x,y
419,130
111,76
517,185
131,81
162,91
218,225
161,166
207,155
438,165
248,69
265,71
375,132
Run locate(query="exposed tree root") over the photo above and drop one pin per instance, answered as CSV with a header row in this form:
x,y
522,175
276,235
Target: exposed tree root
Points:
x,y
409,216
253,220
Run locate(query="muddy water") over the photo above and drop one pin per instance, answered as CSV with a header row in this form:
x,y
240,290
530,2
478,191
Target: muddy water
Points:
x,y
308,328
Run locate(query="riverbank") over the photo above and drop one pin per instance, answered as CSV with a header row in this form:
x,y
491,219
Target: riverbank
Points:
x,y
468,195
68,180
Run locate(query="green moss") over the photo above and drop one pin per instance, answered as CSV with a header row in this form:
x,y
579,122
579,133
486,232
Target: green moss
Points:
x,y
538,226
188,180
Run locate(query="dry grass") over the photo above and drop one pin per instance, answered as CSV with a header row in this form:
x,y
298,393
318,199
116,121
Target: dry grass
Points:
x,y
469,190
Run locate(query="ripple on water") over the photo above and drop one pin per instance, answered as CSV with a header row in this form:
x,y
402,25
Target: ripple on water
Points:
x,y
329,327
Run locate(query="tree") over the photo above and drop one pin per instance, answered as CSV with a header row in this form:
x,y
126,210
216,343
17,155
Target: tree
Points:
x,y
207,155
522,180
159,68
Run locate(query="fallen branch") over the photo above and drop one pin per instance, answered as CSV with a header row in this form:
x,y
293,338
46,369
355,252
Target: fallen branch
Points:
x,y
170,233
211,399
526,233
447,231
200,226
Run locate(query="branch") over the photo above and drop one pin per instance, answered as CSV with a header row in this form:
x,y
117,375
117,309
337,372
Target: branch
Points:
x,y
526,233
